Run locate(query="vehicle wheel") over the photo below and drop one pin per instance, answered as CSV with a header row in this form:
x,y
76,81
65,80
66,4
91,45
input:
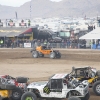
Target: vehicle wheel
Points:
x,y
86,97
28,96
16,94
52,55
98,73
21,79
74,98
96,88
35,54
58,55
7,87
1,98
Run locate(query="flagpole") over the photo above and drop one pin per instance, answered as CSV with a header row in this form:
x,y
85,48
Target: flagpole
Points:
x,y
16,15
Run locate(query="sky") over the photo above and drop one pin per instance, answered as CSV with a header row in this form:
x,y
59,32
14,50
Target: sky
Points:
x,y
16,3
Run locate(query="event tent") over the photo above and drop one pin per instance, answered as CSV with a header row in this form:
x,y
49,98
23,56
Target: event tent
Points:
x,y
95,34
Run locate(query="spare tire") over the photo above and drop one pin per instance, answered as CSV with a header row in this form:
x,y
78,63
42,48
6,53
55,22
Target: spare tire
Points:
x,y
21,79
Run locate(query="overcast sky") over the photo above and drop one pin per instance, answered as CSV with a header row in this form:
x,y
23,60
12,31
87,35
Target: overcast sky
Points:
x,y
16,3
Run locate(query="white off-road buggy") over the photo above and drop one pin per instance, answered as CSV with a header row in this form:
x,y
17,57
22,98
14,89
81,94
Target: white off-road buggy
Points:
x,y
58,87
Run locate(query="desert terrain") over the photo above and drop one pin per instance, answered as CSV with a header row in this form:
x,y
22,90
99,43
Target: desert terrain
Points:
x,y
19,62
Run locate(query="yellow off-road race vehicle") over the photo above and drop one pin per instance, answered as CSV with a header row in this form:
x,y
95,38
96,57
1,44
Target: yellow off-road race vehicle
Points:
x,y
89,74
40,51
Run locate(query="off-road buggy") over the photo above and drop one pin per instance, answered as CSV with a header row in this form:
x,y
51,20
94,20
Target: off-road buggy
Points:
x,y
12,88
90,74
40,51
58,87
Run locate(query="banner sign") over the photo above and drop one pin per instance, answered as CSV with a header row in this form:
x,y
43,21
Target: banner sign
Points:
x,y
27,45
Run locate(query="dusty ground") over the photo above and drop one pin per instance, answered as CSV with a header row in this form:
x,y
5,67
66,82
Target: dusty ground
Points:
x,y
19,62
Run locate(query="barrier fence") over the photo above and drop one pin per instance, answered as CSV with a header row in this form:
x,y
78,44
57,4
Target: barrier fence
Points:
x,y
52,45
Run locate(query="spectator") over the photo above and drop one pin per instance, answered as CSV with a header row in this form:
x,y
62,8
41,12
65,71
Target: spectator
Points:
x,y
45,42
12,44
29,23
22,21
10,20
1,43
42,42
38,43
68,43
93,42
6,22
35,44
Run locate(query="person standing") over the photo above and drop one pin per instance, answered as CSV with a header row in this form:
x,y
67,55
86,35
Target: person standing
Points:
x,y
12,44
29,23
1,43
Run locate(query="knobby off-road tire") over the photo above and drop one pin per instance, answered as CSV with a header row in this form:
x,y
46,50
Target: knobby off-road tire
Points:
x,y
96,88
52,55
58,55
98,73
35,54
28,96
16,94
21,79
74,98
86,97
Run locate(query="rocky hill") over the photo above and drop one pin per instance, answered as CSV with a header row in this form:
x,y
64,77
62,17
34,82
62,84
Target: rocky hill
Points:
x,y
47,8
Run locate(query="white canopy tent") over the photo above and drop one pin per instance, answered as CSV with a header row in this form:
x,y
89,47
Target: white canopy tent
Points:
x,y
95,34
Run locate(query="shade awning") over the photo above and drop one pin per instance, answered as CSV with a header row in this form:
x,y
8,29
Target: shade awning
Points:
x,y
12,31
95,34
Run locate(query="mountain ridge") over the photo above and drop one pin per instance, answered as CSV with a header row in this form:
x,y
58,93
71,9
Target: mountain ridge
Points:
x,y
47,8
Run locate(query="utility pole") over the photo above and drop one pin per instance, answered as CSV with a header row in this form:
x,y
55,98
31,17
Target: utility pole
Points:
x,y
30,9
16,15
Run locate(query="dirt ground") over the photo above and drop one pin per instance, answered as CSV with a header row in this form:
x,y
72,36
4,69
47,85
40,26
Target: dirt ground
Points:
x,y
19,62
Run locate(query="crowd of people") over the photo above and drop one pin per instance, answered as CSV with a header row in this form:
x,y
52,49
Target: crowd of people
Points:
x,y
68,43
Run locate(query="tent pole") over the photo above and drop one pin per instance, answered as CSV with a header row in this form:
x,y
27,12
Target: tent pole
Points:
x,y
17,41
96,43
91,43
